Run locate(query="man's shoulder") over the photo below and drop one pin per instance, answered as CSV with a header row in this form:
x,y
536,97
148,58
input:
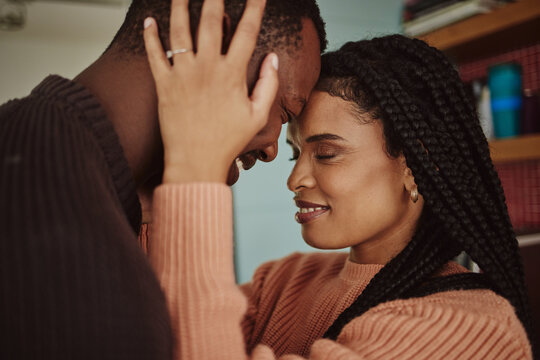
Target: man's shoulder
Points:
x,y
51,114
33,119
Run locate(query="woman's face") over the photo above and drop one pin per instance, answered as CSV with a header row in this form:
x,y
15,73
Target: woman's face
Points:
x,y
350,192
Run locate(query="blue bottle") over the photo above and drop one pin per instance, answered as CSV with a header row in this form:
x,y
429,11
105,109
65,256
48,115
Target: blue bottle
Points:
x,y
504,82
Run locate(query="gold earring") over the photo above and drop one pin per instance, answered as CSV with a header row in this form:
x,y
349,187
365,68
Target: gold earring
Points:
x,y
414,194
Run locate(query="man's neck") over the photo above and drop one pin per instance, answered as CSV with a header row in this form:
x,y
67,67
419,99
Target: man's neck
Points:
x,y
125,89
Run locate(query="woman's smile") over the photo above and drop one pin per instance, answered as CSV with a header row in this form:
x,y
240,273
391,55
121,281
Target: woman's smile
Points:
x,y
309,211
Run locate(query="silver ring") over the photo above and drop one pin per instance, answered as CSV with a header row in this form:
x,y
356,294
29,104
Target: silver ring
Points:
x,y
171,53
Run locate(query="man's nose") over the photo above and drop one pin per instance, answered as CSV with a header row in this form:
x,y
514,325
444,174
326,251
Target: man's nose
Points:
x,y
269,153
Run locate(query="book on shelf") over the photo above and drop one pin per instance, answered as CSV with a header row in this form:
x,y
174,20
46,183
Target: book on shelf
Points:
x,y
446,15
414,9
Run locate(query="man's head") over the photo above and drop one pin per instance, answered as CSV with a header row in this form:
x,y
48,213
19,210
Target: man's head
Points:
x,y
291,28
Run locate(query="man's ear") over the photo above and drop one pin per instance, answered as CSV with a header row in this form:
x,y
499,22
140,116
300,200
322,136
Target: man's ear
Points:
x,y
227,34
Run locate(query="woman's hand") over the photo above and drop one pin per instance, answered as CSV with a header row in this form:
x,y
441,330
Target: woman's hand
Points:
x,y
205,113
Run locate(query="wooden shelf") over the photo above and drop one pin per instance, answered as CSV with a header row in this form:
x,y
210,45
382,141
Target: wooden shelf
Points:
x,y
516,149
479,26
511,26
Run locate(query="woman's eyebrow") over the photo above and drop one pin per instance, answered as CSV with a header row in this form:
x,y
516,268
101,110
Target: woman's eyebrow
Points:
x,y
321,137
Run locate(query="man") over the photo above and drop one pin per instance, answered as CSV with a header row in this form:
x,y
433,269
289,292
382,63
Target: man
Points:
x,y
73,155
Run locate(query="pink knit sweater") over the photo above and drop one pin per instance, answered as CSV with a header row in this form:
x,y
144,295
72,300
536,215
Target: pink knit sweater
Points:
x,y
291,302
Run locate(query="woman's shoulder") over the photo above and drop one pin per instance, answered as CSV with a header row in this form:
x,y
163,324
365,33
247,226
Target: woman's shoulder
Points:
x,y
459,320
472,303
476,324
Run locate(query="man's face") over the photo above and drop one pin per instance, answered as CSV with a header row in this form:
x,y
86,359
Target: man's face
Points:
x,y
298,73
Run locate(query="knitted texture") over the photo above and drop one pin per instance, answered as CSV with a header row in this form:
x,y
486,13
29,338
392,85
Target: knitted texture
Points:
x,y
74,283
291,302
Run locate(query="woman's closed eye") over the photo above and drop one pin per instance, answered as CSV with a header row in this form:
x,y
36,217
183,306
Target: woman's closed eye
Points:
x,y
325,152
318,156
295,154
324,157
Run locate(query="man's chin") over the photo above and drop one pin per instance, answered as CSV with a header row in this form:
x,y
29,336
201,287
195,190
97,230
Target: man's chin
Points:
x,y
234,174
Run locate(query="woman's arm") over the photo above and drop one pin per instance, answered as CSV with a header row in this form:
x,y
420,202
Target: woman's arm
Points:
x,y
192,252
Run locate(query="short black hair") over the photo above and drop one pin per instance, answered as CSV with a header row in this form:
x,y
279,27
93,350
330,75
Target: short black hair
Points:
x,y
281,25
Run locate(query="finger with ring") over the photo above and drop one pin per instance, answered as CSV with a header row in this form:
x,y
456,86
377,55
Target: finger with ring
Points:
x,y
171,53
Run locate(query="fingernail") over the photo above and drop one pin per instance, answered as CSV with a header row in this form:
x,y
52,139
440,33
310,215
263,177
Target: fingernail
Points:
x,y
275,62
148,22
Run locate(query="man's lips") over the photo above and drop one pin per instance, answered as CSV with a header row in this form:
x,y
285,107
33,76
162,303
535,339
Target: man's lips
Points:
x,y
309,211
245,161
248,160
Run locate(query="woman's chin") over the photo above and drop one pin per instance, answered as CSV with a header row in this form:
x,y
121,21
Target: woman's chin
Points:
x,y
321,242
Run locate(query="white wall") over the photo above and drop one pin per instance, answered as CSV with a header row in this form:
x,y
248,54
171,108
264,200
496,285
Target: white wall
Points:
x,y
59,38
264,211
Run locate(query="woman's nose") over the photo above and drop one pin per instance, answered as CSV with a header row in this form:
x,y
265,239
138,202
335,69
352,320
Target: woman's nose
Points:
x,y
301,177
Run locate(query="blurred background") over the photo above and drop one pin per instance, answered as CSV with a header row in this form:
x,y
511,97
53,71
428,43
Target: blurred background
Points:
x,y
495,45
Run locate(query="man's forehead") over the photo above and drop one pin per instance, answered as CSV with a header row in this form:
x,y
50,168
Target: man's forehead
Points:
x,y
297,85
300,70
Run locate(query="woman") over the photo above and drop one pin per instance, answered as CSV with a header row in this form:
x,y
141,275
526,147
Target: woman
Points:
x,y
391,162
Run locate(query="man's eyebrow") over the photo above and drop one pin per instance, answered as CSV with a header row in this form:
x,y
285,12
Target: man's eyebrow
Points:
x,y
302,101
321,137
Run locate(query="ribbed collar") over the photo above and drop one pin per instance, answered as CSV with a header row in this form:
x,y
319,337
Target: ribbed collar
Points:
x,y
353,272
92,115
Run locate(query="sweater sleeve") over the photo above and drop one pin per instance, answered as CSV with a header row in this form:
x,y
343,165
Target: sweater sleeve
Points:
x,y
192,253
74,283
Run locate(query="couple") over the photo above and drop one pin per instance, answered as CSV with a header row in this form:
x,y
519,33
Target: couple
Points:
x,y
390,161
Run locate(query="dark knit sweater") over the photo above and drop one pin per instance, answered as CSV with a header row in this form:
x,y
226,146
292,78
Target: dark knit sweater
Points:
x,y
75,284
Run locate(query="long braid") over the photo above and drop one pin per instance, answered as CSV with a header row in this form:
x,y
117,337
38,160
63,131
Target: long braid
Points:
x,y
428,118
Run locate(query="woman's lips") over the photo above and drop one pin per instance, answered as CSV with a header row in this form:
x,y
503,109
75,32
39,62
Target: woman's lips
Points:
x,y
309,211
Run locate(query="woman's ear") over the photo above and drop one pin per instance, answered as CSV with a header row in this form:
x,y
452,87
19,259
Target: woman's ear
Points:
x,y
409,185
408,178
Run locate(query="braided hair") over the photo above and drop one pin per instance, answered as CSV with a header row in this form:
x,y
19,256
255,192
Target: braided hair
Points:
x,y
427,116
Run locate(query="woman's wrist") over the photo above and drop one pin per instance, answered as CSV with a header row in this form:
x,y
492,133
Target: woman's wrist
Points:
x,y
182,174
